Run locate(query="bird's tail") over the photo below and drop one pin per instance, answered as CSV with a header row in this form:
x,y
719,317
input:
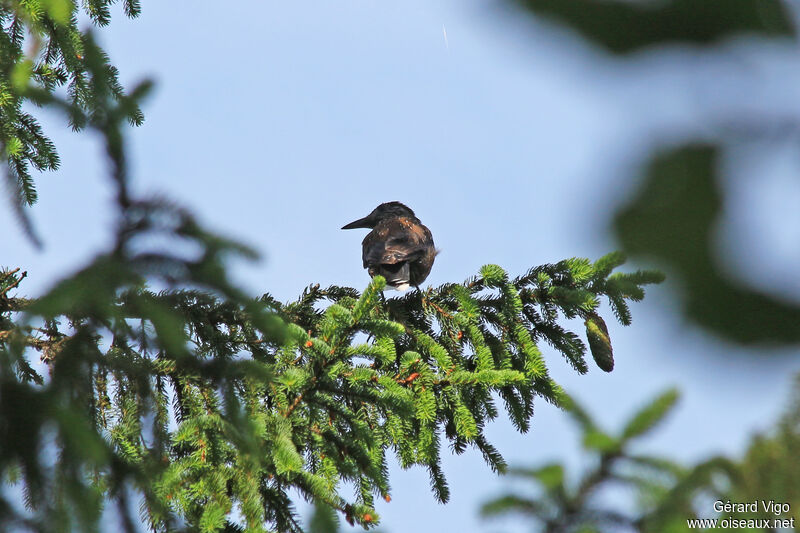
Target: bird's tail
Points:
x,y
397,275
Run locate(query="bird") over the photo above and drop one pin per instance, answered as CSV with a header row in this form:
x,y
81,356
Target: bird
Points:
x,y
399,247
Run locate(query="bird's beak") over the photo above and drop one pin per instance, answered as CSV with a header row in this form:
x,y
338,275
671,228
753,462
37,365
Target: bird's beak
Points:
x,y
365,222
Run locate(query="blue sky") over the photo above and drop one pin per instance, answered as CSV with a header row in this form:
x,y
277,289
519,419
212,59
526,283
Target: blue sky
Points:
x,y
277,123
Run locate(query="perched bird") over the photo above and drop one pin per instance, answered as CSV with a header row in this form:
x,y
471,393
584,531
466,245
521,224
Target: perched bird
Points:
x,y
399,247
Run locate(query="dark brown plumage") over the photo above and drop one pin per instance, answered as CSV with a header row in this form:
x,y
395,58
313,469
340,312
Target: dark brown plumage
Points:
x,y
399,247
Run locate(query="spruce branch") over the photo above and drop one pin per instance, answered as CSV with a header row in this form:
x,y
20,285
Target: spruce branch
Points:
x,y
57,54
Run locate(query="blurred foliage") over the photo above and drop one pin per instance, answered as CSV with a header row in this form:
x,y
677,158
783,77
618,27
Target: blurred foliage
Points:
x,y
41,46
561,506
205,408
674,217
323,520
769,469
682,193
666,494
625,26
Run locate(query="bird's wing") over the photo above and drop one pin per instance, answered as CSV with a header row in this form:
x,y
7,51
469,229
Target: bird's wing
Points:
x,y
395,241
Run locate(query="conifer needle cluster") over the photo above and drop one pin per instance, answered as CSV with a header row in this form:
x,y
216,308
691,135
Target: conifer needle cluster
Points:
x,y
42,48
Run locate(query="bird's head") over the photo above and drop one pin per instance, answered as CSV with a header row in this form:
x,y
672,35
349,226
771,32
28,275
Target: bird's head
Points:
x,y
382,212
